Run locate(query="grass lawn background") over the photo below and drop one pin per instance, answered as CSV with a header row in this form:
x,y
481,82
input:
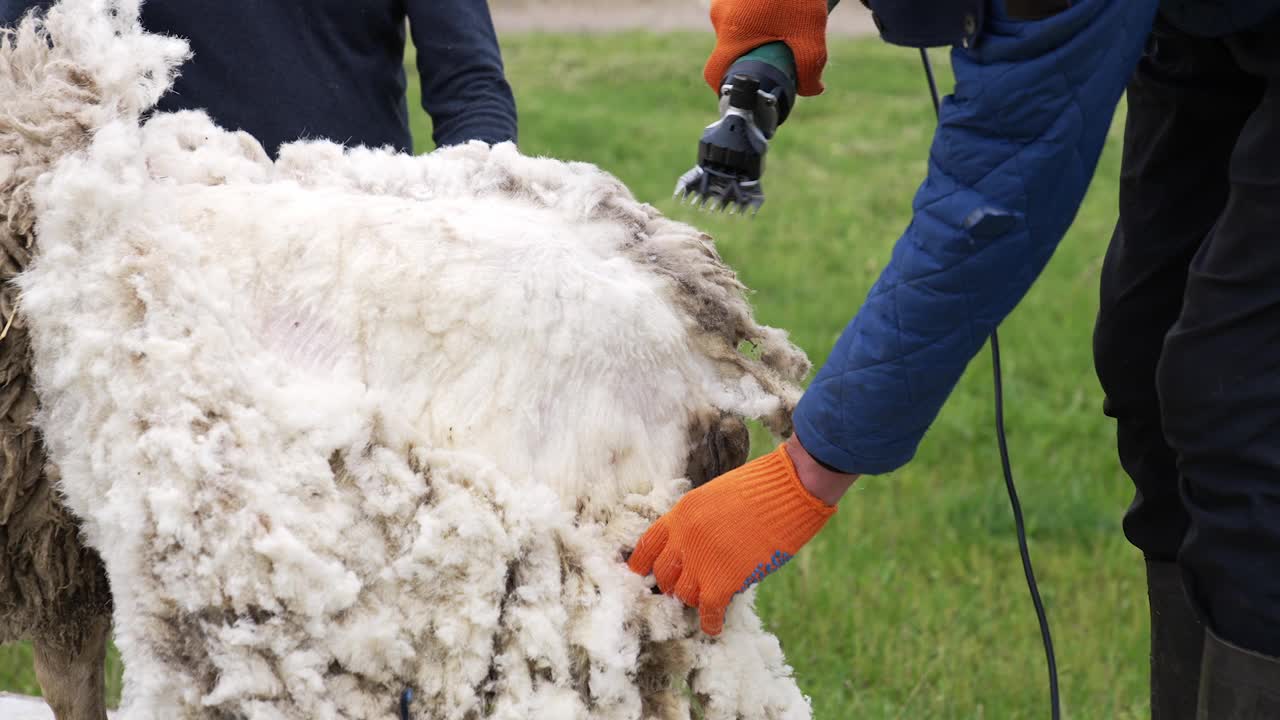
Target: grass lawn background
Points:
x,y
911,604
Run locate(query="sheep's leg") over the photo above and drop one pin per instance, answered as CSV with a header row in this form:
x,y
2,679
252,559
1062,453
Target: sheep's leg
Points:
x,y
662,666
72,677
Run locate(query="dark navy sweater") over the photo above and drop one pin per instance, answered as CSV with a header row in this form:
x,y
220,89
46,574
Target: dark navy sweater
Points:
x,y
288,69
1218,17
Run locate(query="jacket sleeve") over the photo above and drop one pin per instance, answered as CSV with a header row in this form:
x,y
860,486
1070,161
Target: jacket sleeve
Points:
x,y
1016,147
464,87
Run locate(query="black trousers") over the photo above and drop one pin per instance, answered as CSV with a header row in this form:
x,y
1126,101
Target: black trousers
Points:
x,y
1187,342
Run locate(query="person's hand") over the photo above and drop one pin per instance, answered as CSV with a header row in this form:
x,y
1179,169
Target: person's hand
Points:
x,y
744,25
727,535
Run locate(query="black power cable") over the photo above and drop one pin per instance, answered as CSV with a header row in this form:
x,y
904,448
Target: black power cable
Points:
x,y
1008,471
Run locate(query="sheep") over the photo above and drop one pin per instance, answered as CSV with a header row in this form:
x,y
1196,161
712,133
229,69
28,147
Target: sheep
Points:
x,y
53,588
354,423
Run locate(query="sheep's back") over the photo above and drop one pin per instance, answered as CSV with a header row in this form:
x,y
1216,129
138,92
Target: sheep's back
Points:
x,y
371,422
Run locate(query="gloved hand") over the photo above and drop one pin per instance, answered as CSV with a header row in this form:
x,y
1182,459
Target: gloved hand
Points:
x,y
727,535
744,25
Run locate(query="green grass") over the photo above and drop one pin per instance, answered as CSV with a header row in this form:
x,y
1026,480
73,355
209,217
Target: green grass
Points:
x,y
911,604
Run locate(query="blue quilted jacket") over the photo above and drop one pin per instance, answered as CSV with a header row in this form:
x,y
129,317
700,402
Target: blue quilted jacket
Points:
x,y
1014,152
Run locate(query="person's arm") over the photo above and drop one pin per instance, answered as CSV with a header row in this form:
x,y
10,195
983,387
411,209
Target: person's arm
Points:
x,y
464,87
1015,150
1014,153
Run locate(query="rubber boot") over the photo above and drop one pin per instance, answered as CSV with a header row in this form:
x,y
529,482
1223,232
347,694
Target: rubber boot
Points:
x,y
1177,639
1237,684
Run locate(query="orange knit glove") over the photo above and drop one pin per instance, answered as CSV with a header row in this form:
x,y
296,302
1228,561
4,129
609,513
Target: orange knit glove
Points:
x,y
744,25
727,535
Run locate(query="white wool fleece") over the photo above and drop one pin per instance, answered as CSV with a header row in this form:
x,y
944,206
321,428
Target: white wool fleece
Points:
x,y
356,422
